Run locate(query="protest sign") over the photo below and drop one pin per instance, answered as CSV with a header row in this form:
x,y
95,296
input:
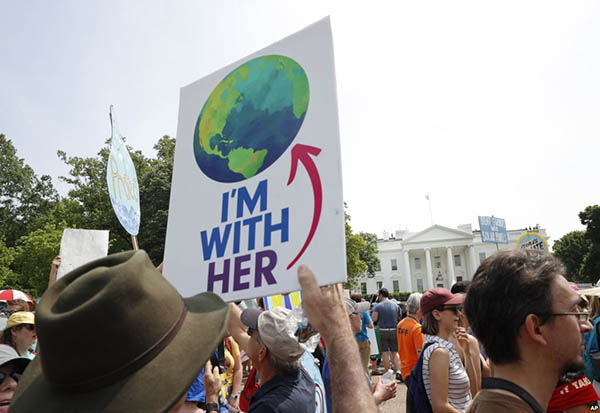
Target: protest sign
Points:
x,y
493,229
532,240
289,301
122,182
257,187
80,246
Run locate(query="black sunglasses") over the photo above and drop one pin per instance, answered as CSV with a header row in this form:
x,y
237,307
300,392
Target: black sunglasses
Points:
x,y
454,309
15,376
250,331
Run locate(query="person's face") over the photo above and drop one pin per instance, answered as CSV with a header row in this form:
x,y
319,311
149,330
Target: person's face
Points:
x,y
25,336
447,317
12,307
7,387
566,335
355,322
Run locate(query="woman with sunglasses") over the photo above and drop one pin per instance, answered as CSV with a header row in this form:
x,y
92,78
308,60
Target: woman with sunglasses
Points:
x,y
11,369
448,382
20,333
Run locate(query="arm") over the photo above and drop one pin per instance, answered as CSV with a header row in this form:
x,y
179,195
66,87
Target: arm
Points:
x,y
236,387
54,269
439,363
462,339
475,355
326,312
236,328
369,321
375,314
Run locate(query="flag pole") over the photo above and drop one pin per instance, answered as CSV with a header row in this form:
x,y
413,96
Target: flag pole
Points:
x,y
430,213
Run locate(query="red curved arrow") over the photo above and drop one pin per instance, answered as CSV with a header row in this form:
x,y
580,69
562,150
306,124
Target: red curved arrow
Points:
x,y
302,153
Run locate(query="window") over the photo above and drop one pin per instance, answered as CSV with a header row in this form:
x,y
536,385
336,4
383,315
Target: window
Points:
x,y
481,256
379,285
459,278
440,285
394,265
418,264
420,284
437,262
378,266
457,261
363,288
396,286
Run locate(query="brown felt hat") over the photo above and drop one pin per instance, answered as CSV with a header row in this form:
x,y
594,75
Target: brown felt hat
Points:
x,y
115,336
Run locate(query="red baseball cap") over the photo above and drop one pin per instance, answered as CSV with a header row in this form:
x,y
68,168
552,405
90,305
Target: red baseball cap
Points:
x,y
437,297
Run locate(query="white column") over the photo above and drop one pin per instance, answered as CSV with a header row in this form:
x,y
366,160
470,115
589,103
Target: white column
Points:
x,y
428,266
407,275
472,262
450,265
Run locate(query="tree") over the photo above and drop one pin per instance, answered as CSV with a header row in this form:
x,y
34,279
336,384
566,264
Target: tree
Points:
x,y
590,217
571,249
34,254
23,195
361,254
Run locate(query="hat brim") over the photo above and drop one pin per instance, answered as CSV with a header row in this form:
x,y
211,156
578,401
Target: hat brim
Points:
x,y
156,387
250,317
457,299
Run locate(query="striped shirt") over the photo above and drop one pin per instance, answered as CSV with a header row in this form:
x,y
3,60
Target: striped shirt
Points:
x,y
459,390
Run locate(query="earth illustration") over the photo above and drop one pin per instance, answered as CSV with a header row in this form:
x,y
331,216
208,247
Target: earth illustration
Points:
x,y
251,118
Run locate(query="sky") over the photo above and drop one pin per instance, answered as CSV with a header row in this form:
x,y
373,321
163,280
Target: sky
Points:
x,y
490,107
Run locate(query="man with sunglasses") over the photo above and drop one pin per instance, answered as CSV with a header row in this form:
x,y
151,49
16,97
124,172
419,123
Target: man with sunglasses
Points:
x,y
531,323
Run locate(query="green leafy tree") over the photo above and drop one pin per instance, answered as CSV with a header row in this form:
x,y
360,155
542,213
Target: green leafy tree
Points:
x,y
33,256
361,254
571,249
368,254
23,195
8,278
590,217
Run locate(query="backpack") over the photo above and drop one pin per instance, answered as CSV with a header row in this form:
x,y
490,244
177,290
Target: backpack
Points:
x,y
591,354
417,395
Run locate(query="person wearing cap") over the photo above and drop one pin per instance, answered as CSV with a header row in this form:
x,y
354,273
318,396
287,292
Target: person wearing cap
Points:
x,y
116,336
11,368
19,333
447,382
531,324
284,385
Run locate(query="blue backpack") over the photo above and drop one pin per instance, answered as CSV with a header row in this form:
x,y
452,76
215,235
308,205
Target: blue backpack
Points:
x,y
591,355
417,395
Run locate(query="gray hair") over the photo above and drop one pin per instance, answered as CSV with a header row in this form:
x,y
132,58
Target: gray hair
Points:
x,y
282,367
413,303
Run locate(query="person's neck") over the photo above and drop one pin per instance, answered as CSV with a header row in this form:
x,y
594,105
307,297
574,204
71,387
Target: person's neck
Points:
x,y
265,372
444,333
536,377
413,316
21,349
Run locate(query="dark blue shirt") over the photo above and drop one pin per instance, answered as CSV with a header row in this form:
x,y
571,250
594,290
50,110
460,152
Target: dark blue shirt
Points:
x,y
287,393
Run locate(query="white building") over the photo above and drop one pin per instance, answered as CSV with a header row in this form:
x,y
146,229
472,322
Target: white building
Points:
x,y
435,257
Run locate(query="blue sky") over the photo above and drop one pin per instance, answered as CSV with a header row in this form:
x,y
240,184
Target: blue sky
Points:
x,y
491,107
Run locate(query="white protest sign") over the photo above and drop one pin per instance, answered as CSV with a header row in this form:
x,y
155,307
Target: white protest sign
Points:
x,y
257,186
80,246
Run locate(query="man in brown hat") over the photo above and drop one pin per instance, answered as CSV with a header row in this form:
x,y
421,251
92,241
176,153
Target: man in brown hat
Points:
x,y
112,337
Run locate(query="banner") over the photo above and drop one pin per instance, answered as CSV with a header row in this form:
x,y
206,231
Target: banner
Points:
x,y
289,301
122,181
80,246
257,186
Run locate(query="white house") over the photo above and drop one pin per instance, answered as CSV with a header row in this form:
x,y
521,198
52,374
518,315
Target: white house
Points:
x,y
438,256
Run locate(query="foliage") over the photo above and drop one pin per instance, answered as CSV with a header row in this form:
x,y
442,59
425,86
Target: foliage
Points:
x,y
33,256
571,249
590,268
361,254
23,195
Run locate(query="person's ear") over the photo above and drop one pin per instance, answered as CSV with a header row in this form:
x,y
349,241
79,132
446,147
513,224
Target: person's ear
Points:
x,y
436,315
262,353
535,329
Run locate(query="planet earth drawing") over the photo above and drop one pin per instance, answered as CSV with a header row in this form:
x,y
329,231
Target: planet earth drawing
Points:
x,y
251,118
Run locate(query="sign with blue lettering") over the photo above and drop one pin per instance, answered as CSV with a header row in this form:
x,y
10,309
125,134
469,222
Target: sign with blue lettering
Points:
x,y
532,240
257,180
493,230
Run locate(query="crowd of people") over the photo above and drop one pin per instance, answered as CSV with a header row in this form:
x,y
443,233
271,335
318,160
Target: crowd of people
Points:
x,y
114,336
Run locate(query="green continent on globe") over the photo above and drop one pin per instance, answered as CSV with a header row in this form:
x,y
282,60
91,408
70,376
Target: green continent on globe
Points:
x,y
251,118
